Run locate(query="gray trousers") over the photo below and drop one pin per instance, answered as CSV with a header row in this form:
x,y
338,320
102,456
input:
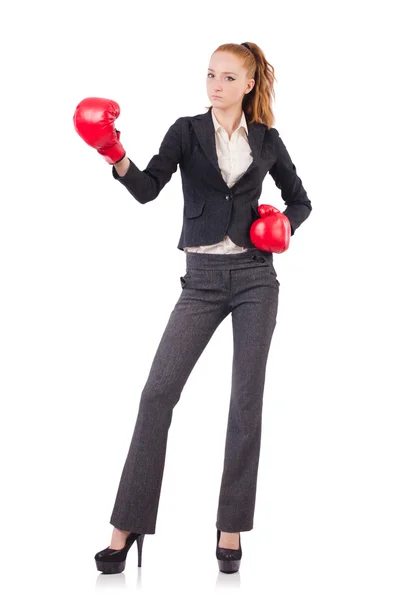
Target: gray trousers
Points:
x,y
245,285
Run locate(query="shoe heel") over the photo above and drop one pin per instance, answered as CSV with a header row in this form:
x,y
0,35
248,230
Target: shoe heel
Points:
x,y
228,566
140,544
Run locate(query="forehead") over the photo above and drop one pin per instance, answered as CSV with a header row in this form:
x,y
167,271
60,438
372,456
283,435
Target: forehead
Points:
x,y
225,63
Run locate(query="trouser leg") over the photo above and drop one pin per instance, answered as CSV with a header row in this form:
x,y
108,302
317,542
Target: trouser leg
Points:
x,y
254,317
194,319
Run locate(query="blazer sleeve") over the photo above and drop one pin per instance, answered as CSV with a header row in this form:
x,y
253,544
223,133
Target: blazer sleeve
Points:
x,y
292,191
147,184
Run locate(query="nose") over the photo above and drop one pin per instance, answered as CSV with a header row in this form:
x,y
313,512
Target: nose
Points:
x,y
216,90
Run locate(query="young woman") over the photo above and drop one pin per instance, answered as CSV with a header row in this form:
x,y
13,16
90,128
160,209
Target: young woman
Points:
x,y
223,155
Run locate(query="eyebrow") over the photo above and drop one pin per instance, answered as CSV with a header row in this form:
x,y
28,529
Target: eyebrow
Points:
x,y
224,72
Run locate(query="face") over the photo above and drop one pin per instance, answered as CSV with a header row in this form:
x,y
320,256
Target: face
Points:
x,y
227,78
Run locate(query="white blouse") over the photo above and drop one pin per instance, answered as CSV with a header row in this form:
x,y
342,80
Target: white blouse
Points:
x,y
234,158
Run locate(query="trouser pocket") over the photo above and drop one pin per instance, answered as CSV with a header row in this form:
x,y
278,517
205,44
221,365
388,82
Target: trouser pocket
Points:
x,y
203,280
183,281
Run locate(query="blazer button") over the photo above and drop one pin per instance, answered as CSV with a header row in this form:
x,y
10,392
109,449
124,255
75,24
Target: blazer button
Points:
x,y
227,197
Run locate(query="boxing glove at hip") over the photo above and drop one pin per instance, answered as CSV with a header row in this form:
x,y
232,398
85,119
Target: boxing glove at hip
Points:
x,y
272,231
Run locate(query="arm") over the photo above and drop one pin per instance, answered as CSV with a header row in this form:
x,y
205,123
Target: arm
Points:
x,y
122,166
292,191
147,184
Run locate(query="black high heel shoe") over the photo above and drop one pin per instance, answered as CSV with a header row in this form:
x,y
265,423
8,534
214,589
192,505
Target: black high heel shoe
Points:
x,y
228,558
111,561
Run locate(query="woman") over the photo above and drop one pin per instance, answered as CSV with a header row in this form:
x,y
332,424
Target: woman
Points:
x,y
223,155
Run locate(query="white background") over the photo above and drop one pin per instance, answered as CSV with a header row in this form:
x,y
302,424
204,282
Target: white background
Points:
x,y
89,277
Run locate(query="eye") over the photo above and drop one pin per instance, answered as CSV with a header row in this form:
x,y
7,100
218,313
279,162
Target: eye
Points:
x,y
227,77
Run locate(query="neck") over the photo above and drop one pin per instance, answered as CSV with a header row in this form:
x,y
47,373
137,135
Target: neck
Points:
x,y
228,118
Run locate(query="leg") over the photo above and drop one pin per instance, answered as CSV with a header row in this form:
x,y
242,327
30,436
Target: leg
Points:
x,y
254,315
193,321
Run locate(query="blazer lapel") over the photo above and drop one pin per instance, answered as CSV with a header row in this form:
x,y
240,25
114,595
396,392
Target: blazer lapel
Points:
x,y
204,129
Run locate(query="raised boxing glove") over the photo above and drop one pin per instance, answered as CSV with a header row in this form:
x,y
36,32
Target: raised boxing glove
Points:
x,y
94,122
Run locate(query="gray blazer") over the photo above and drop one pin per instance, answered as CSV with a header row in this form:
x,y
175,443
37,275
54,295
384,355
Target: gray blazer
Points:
x,y
212,209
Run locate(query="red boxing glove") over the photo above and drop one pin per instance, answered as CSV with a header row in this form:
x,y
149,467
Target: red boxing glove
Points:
x,y
272,231
94,122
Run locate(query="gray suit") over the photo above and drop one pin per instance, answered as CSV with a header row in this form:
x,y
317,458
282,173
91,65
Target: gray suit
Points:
x,y
243,284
